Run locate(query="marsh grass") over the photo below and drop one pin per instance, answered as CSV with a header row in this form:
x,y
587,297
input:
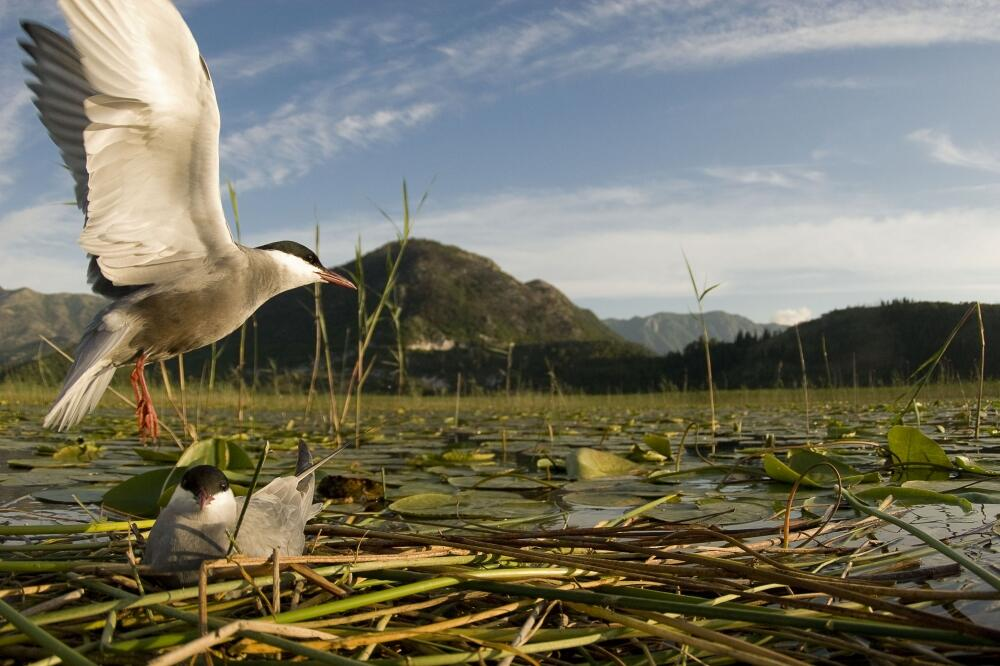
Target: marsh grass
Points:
x,y
635,592
700,293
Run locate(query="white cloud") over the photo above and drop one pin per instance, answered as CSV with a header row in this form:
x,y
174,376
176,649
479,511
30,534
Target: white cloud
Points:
x,y
792,316
845,83
941,148
293,140
755,244
38,248
776,176
374,69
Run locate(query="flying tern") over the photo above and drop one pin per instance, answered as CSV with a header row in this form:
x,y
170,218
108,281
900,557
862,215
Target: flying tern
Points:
x,y
130,104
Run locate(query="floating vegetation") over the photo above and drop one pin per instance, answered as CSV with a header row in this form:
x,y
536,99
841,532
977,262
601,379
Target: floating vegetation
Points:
x,y
459,547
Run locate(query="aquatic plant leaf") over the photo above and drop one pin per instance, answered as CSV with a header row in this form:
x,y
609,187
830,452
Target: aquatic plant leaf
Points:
x,y
703,472
78,452
660,444
469,504
921,456
138,496
711,511
85,494
34,463
588,463
603,500
467,456
779,471
222,454
156,455
502,482
966,464
914,496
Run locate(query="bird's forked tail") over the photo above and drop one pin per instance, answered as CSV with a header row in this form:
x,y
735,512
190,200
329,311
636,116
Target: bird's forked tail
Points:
x,y
88,377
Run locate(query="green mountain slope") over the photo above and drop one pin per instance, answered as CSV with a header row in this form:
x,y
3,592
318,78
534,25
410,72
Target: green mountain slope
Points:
x,y
666,332
448,298
25,315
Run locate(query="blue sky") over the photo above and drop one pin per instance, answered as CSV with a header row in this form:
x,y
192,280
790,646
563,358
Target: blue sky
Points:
x,y
807,155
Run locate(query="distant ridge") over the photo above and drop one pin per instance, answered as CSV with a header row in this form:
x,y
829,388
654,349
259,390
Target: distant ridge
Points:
x,y
448,298
26,314
666,332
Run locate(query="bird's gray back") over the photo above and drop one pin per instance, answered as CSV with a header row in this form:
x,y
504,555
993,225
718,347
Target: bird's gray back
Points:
x,y
208,302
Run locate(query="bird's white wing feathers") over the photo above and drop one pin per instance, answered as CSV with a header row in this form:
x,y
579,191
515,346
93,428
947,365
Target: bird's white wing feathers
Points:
x,y
276,517
152,143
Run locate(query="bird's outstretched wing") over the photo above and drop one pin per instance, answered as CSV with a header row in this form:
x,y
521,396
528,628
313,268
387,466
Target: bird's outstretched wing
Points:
x,y
131,106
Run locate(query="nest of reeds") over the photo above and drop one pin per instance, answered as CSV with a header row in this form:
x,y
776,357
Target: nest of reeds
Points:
x,y
640,592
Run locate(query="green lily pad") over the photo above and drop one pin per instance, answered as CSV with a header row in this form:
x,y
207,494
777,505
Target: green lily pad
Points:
x,y
588,463
469,504
711,511
603,500
922,457
140,495
659,443
78,452
505,482
913,496
222,454
157,455
813,468
85,494
966,464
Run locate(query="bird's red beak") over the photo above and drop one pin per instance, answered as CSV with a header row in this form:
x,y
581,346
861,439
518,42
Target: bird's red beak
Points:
x,y
203,499
333,278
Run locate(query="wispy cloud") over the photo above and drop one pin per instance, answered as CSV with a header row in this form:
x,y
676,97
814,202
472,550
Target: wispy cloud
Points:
x,y
787,176
296,138
844,83
541,43
941,148
834,246
38,248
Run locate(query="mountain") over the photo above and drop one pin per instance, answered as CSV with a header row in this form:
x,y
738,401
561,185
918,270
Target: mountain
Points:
x,y
666,332
25,315
447,297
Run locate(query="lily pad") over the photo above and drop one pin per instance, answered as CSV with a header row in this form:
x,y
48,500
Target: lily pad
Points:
x,y
588,463
966,464
222,454
659,443
78,452
813,468
711,511
85,494
922,457
913,496
138,496
469,504
504,482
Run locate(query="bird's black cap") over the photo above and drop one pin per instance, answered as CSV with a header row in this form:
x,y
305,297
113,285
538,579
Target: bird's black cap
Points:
x,y
296,250
206,479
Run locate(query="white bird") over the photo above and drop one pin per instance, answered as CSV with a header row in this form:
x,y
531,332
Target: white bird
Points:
x,y
131,106
202,513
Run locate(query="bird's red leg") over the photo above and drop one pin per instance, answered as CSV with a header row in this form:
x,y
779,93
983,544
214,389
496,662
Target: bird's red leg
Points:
x,y
149,426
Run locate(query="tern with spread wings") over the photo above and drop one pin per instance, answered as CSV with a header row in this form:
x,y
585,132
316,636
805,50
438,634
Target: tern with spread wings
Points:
x,y
130,104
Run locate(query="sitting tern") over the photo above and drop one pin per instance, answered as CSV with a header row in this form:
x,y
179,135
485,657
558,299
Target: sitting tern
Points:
x,y
131,106
202,513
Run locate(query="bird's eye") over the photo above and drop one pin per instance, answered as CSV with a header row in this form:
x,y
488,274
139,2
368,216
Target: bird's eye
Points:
x,y
224,486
